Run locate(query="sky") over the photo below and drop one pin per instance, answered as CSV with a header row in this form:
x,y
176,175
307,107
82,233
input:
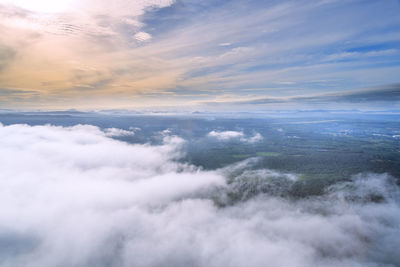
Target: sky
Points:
x,y
96,54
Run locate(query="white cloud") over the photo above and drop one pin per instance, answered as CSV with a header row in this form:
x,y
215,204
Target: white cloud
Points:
x,y
166,132
226,135
255,138
142,36
350,55
235,135
114,132
71,196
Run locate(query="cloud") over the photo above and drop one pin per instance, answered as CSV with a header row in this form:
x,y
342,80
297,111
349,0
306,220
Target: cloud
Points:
x,y
110,32
115,132
350,55
384,93
255,138
142,36
7,54
235,135
225,135
71,196
16,95
7,92
135,51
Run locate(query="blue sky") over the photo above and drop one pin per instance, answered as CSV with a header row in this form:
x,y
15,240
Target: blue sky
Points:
x,y
139,54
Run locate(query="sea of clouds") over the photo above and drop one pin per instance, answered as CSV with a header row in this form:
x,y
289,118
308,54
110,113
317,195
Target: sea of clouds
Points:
x,y
73,196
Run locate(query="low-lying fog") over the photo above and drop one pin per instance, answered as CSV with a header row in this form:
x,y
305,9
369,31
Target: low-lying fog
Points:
x,y
73,196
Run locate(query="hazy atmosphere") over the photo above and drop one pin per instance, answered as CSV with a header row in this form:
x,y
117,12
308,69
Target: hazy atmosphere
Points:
x,y
199,133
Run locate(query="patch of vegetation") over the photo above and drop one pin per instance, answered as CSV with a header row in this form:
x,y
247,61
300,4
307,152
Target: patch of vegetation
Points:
x,y
243,156
268,154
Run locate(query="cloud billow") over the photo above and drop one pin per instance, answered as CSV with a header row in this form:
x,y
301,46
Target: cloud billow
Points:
x,y
72,196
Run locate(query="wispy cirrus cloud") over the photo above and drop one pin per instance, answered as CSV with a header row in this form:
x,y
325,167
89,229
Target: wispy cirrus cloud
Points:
x,y
129,53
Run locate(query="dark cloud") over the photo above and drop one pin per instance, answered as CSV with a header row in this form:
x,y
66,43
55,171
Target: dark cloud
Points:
x,y
7,54
382,93
17,96
13,92
387,93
